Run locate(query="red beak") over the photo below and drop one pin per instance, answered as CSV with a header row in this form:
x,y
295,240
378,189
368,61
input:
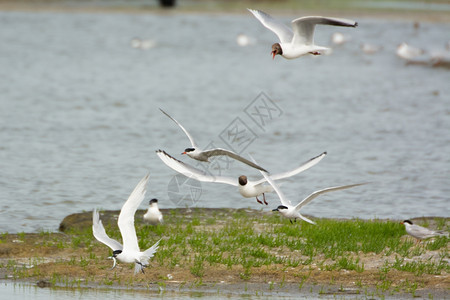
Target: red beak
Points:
x,y
273,54
184,152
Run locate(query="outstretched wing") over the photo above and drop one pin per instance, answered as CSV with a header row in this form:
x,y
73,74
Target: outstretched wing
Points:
x,y
304,27
303,167
126,216
320,192
191,172
191,139
283,32
280,194
220,151
100,234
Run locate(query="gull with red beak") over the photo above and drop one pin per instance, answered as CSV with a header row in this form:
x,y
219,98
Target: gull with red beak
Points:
x,y
299,40
203,155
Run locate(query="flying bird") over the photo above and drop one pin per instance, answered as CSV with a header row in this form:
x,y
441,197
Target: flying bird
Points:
x,y
299,40
153,214
128,252
421,233
247,188
289,211
203,155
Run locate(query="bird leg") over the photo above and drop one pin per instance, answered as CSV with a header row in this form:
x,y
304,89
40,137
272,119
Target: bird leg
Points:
x,y
315,53
259,201
115,261
290,221
142,266
264,198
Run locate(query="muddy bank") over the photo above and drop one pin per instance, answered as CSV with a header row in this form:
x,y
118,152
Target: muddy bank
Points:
x,y
72,258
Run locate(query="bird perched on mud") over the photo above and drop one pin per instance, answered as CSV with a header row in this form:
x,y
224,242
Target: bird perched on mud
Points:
x,y
421,233
153,214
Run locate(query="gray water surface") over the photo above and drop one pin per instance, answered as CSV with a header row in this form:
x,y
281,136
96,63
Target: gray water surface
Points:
x,y
79,117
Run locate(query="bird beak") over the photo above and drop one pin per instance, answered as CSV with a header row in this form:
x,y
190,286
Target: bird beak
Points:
x,y
276,209
184,152
273,54
115,261
401,222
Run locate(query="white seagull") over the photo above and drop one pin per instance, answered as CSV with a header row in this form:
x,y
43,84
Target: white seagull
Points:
x,y
129,252
289,211
247,188
421,233
153,214
203,155
408,52
299,40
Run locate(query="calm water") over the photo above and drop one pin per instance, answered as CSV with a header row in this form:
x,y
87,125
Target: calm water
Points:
x,y
79,118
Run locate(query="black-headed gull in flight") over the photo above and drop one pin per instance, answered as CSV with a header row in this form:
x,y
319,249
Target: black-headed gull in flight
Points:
x,y
247,188
153,214
203,155
421,233
299,40
128,252
289,211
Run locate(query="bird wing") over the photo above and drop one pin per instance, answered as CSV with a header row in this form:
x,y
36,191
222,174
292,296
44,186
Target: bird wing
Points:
x,y
191,172
421,232
283,32
220,151
151,251
303,167
100,234
320,192
191,139
126,216
304,27
280,194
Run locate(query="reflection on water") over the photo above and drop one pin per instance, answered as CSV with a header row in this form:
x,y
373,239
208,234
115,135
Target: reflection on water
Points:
x,y
19,291
79,117
13,291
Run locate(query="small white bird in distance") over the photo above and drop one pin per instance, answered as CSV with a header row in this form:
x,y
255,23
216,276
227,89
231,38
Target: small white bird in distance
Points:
x,y
299,40
203,155
153,214
421,233
128,252
408,52
289,211
247,188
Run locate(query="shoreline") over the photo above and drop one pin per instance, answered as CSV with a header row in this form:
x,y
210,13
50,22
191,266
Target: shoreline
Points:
x,y
188,260
223,8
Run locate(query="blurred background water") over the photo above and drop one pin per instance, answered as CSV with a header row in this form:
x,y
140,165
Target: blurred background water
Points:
x,y
79,117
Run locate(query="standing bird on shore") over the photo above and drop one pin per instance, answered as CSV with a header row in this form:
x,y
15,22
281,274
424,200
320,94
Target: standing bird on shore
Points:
x,y
299,40
203,155
128,252
153,214
421,233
